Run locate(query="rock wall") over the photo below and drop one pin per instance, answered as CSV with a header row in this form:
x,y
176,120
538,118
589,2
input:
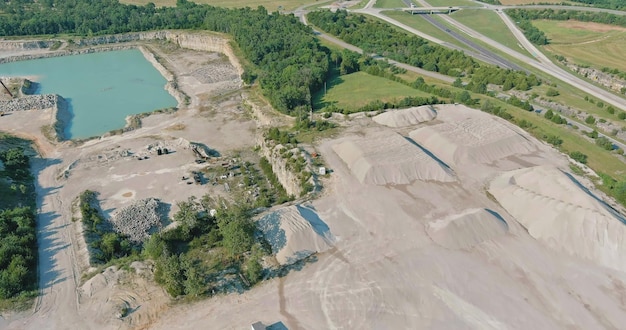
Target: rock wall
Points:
x,y
287,178
190,40
25,45
603,78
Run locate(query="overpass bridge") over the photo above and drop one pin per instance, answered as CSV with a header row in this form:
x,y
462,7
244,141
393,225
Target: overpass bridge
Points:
x,y
430,10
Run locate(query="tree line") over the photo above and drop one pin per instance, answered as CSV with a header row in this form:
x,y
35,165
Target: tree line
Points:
x,y
376,37
564,15
288,61
18,243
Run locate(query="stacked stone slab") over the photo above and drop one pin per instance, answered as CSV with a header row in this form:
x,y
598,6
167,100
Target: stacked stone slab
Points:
x,y
31,102
137,220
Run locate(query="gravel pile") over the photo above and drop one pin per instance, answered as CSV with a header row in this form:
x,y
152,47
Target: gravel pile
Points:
x,y
138,219
31,102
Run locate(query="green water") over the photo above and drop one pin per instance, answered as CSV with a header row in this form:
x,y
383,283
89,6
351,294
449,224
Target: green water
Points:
x,y
101,88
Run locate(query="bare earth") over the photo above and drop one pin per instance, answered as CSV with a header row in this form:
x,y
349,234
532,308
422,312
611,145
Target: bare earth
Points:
x,y
424,237
591,26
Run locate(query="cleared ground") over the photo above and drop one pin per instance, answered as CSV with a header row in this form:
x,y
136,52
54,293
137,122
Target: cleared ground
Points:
x,y
358,89
404,255
586,43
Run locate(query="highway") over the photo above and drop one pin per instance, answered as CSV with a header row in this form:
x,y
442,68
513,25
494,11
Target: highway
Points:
x,y
540,61
300,13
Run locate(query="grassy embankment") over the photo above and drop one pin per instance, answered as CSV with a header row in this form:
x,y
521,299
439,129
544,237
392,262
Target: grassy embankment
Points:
x,y
390,4
490,24
451,3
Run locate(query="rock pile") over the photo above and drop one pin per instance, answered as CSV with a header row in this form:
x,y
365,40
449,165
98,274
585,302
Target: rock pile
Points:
x,y
138,219
31,102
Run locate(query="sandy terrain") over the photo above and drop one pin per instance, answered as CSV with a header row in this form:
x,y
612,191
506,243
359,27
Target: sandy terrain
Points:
x,y
421,225
425,255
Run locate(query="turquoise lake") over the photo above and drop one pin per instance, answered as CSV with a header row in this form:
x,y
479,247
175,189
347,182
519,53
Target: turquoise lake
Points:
x,y
101,88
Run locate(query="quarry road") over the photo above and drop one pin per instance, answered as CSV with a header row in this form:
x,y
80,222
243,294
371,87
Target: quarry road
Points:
x,y
56,307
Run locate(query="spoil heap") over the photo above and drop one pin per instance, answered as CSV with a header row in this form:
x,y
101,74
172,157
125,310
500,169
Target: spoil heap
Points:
x,y
295,232
477,138
389,158
406,117
556,209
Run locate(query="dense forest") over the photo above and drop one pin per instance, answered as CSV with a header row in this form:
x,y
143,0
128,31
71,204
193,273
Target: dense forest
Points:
x,y
18,246
380,38
289,62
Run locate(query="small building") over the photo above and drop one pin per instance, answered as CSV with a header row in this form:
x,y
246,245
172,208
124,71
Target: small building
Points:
x,y
258,326
322,170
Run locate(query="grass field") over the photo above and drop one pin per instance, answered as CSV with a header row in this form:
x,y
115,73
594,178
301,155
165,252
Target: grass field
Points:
x,y
489,23
586,43
390,4
358,89
270,5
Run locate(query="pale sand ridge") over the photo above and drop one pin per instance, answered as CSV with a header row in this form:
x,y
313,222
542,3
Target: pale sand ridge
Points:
x,y
388,158
471,138
406,117
557,211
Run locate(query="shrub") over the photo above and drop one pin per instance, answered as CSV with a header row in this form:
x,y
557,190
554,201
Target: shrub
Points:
x,y
578,156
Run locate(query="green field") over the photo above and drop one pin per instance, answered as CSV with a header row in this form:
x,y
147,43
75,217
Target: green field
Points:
x,y
389,4
590,44
488,23
358,89
270,5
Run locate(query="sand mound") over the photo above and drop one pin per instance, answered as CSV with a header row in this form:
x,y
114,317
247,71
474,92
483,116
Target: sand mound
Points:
x,y
476,139
556,209
464,231
295,232
406,117
389,158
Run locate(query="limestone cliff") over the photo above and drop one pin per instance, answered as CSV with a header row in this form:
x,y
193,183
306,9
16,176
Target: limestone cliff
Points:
x,y
289,179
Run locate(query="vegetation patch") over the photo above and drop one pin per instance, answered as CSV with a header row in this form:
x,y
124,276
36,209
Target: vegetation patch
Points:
x,y
18,243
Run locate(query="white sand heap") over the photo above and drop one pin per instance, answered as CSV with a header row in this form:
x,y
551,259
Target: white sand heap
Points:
x,y
465,230
406,117
295,232
389,158
557,210
477,138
